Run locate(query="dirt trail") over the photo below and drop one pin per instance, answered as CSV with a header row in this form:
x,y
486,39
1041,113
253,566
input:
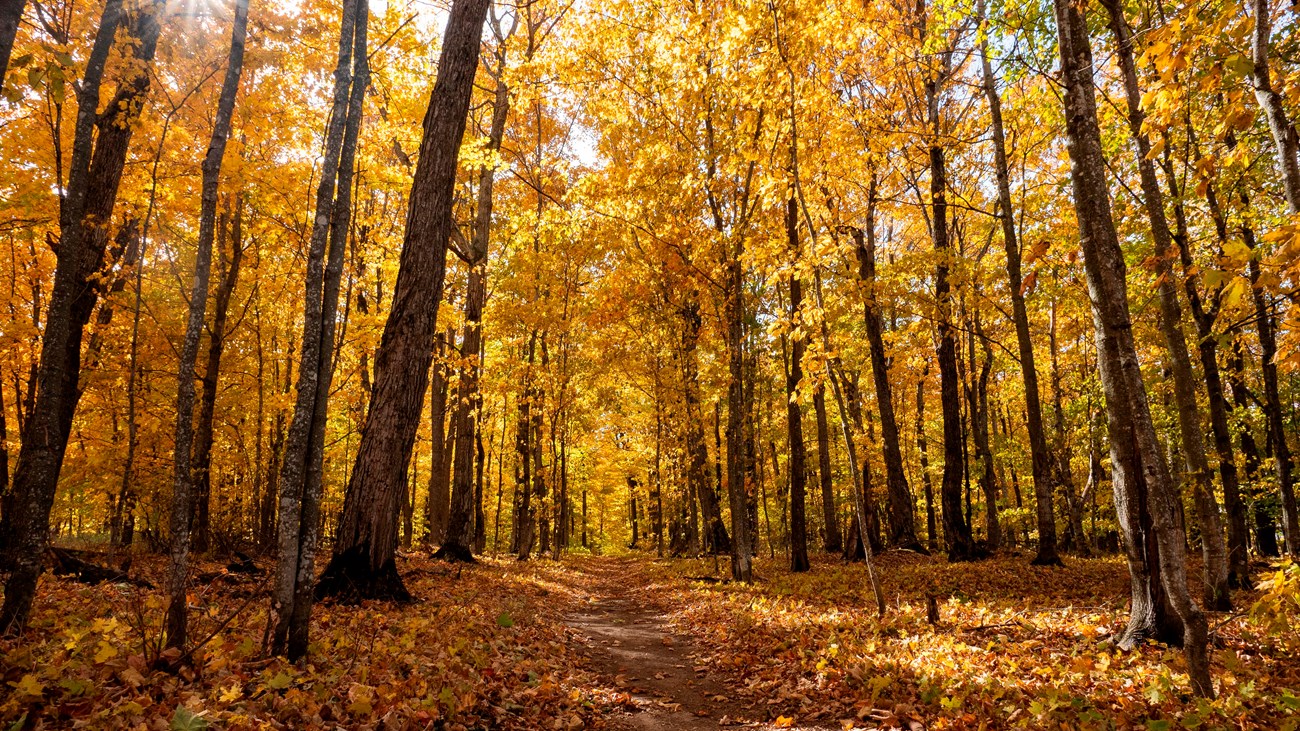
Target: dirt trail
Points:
x,y
632,645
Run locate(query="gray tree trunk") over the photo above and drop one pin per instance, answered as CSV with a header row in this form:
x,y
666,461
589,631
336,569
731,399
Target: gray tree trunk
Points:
x,y
1285,139
183,475
300,479
1140,475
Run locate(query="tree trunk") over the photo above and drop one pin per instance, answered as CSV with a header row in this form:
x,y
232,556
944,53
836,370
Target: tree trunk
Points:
x,y
1040,456
902,526
983,452
715,533
300,478
437,502
363,562
1285,139
738,464
11,14
1215,566
833,542
469,402
960,543
793,412
1141,478
1207,349
208,399
931,524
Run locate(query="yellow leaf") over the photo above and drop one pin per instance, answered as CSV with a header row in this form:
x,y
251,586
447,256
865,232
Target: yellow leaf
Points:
x,y
29,686
105,652
783,722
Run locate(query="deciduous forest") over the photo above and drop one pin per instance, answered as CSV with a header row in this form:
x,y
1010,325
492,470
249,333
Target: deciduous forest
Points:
x,y
649,364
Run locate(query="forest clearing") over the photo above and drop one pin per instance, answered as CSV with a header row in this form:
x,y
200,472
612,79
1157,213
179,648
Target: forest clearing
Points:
x,y
649,364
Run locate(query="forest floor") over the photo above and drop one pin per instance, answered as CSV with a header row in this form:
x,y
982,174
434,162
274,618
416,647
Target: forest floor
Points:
x,y
635,642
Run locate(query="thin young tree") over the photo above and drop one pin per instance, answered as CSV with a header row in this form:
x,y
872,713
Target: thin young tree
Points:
x,y
1039,454
797,464
182,464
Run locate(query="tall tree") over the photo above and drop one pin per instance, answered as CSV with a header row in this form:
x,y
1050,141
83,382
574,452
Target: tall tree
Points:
x,y
1215,564
182,459
902,524
1145,499
467,410
300,477
99,148
797,464
230,260
957,533
1039,455
363,561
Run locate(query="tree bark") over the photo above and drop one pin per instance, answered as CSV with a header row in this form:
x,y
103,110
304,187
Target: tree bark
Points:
x,y
11,14
1207,349
183,477
1039,454
211,371
363,562
793,412
437,503
833,542
902,525
1140,475
469,402
95,171
1285,140
960,543
301,480
739,466
697,473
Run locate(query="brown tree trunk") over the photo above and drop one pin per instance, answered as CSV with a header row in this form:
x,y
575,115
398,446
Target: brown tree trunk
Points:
x,y
980,427
902,525
833,541
469,402
739,467
95,171
11,14
793,412
961,545
437,503
922,448
1040,456
714,531
203,436
1207,348
1141,478
363,562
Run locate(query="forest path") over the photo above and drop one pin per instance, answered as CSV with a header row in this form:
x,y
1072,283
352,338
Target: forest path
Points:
x,y
631,644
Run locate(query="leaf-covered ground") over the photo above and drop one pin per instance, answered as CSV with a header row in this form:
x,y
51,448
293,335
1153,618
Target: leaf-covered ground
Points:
x,y
1016,646
484,647
488,646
